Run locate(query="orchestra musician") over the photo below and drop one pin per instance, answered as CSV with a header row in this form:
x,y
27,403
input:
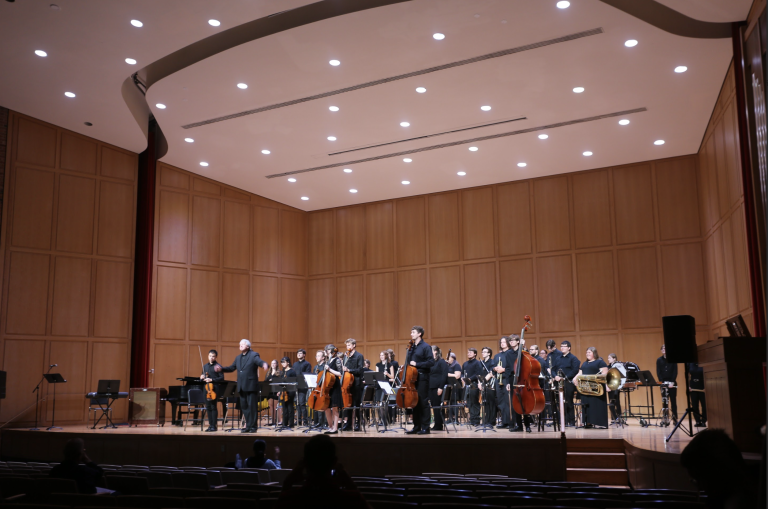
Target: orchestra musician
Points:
x,y
569,364
423,360
454,379
438,378
210,374
319,417
290,396
472,370
698,399
334,367
516,421
354,364
487,384
302,366
274,409
502,367
594,408
666,372
395,367
614,396
247,365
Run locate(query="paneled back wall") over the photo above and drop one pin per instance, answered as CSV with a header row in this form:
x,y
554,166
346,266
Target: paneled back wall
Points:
x,y
67,255
229,265
595,257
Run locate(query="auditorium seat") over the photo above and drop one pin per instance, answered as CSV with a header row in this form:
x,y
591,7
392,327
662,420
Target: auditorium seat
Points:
x,y
157,479
421,499
106,465
227,493
409,485
642,497
381,504
128,485
587,494
566,484
278,475
149,501
263,474
508,493
10,486
386,489
235,476
34,506
177,492
80,499
210,502
510,501
264,488
122,473
667,504
268,503
197,481
666,491
391,497
597,503
449,505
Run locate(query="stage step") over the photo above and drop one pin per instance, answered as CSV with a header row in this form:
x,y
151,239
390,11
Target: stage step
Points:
x,y
600,461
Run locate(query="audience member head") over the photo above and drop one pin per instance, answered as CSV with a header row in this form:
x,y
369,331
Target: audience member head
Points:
x,y
74,449
259,448
319,457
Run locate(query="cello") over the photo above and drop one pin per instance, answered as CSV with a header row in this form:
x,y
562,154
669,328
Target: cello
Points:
x,y
527,395
347,379
320,397
407,395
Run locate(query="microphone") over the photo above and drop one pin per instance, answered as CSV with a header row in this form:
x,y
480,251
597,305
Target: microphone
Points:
x,y
53,365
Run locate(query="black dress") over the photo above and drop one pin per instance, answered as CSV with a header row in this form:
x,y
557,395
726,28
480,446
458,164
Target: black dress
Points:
x,y
595,407
336,400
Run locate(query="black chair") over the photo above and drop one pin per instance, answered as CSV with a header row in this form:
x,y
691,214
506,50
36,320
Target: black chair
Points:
x,y
449,505
573,484
82,500
158,479
11,486
236,476
263,488
177,492
278,475
267,503
390,497
127,485
668,504
227,493
196,402
596,502
513,501
149,501
208,502
422,499
386,504
190,480
640,498
438,491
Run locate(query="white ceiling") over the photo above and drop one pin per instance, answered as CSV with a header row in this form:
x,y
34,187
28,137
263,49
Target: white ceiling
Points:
x,y
87,42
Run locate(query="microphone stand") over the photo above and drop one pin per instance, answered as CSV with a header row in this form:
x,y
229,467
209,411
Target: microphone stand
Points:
x,y
36,391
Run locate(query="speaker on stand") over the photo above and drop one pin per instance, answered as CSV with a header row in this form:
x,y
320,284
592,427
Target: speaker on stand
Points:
x,y
680,343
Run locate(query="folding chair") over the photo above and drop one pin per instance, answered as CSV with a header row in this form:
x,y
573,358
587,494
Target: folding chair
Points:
x,y
196,401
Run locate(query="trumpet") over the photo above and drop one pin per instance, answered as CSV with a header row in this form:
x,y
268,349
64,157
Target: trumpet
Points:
x,y
592,385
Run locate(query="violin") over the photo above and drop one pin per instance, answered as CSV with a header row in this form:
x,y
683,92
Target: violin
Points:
x,y
407,396
320,397
210,393
527,394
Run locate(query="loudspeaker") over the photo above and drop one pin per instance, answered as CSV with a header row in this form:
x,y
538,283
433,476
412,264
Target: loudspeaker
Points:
x,y
680,338
2,384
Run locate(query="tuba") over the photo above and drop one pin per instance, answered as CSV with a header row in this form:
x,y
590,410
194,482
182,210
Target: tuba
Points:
x,y
592,385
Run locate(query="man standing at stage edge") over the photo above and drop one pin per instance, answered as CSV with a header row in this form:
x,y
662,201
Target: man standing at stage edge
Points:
x,y
247,365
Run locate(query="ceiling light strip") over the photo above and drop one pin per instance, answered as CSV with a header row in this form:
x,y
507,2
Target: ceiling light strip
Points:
x,y
459,63
463,142
428,136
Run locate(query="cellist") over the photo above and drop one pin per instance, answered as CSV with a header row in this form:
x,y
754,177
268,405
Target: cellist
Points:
x,y
516,421
333,366
354,364
422,359
211,375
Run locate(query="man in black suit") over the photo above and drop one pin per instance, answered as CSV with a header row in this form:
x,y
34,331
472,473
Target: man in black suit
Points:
x,y
247,365
301,367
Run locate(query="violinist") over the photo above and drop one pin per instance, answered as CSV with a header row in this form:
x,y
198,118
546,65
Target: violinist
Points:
x,y
487,384
501,367
516,421
319,417
210,374
273,372
473,370
333,367
354,364
287,398
422,359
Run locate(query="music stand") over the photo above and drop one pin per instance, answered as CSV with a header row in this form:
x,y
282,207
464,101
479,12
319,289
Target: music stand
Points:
x,y
229,392
647,380
311,381
55,379
303,385
283,384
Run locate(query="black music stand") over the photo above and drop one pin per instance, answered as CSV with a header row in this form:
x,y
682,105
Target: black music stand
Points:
x,y
36,391
312,426
55,379
229,392
302,385
109,389
287,384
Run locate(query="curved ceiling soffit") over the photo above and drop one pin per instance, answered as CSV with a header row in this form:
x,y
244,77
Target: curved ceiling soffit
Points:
x,y
235,36
669,20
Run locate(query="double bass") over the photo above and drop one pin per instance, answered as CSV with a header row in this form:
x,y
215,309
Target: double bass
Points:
x,y
526,393
407,396
320,397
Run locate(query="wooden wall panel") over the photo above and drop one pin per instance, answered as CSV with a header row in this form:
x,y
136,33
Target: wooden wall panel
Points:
x,y
606,344
171,303
237,227
35,143
639,288
517,297
204,305
555,290
70,403
411,301
381,319
591,209
27,293
550,200
411,232
596,288
741,263
112,299
173,227
633,202
74,228
676,188
321,312
477,223
380,236
682,266
265,309
78,153
266,239
731,292
721,169
173,178
293,315
293,242
19,384
350,239
205,186
118,163
71,296
513,212
321,256
170,361
235,306
349,307
444,228
206,229
445,301
33,208
732,154
480,299
116,219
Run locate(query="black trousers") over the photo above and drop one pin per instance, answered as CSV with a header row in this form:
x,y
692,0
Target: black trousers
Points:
x,y
489,406
357,396
288,409
249,404
569,390
212,409
673,402
435,399
301,402
421,415
614,398
516,420
698,399
502,402
319,418
473,401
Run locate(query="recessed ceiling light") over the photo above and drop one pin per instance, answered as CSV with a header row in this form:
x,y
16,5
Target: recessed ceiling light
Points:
x,y
214,22
680,68
543,136
563,4
407,160
291,179
353,191
587,153
331,138
485,108
438,36
130,61
137,23
473,149
405,182
578,90
242,86
623,121
421,90
658,142
41,53
630,43
334,62
404,124
203,163
461,173
160,106
522,165
347,170
305,198
69,94
189,140
266,152
333,108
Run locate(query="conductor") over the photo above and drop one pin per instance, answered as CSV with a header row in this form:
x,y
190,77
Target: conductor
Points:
x,y
247,365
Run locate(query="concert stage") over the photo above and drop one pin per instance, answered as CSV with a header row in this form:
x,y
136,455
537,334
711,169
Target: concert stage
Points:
x,y
649,462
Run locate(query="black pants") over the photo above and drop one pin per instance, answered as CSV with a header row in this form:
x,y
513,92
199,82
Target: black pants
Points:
x,y
673,402
697,398
212,409
249,404
473,401
614,398
502,402
489,406
569,389
357,396
435,399
302,406
421,410
319,418
516,420
288,409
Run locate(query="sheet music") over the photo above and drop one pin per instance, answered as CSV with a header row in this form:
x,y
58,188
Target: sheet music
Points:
x,y
311,380
387,388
